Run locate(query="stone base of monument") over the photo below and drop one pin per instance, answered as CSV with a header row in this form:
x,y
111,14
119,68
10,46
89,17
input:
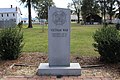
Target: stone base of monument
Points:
x,y
73,70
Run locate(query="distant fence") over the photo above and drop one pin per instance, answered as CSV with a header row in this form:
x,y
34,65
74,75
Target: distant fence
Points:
x,y
7,23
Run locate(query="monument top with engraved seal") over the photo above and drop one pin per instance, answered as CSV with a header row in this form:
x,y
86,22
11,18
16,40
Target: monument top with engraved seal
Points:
x,y
59,17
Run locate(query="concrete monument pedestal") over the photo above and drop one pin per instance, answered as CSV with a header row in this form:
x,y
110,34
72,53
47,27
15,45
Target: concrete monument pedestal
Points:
x,y
73,70
59,45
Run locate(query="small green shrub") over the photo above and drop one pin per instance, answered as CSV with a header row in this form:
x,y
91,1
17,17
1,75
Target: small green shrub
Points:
x,y
107,43
10,43
20,24
118,26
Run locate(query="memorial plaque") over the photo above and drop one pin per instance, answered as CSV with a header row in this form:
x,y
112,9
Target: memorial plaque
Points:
x,y
59,36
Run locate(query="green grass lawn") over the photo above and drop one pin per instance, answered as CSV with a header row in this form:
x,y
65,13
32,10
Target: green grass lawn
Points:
x,y
81,39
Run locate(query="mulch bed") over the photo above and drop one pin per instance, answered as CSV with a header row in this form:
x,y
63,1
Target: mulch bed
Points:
x,y
28,63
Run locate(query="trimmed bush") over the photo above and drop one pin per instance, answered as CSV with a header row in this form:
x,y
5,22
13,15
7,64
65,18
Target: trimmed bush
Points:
x,y
107,43
10,43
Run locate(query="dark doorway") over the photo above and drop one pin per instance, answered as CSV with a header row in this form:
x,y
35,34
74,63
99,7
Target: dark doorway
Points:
x,y
93,19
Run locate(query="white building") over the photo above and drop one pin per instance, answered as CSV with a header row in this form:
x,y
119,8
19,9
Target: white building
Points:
x,y
75,18
10,14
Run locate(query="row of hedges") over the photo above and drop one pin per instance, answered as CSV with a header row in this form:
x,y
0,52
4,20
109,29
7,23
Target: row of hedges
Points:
x,y
107,43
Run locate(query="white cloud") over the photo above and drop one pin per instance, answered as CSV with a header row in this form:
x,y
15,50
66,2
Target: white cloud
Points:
x,y
61,3
8,3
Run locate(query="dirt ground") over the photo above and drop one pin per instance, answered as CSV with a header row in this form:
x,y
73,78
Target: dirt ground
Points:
x,y
28,63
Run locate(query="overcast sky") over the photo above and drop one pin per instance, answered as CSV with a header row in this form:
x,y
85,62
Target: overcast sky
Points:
x,y
7,3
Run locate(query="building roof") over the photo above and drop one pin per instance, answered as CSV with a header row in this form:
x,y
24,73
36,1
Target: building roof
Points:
x,y
10,10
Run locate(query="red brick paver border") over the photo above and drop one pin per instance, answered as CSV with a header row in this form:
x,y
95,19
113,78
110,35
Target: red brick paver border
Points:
x,y
55,78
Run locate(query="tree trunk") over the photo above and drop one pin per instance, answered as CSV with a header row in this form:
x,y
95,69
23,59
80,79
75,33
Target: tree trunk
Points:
x,y
119,12
111,11
104,12
29,15
78,15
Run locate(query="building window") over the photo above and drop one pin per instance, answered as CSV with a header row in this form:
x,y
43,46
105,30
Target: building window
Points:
x,y
13,14
2,15
7,15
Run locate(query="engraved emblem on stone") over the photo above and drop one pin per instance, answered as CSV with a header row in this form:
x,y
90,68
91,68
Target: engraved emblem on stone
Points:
x,y
59,17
